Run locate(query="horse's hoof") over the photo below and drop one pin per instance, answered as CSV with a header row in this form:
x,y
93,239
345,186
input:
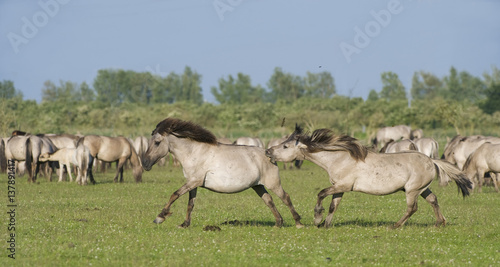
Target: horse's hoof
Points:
x,y
318,220
159,220
396,226
322,224
299,226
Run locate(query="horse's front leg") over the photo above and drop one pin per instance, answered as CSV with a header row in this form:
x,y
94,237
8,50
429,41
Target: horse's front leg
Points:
x,y
318,209
192,197
190,185
61,171
68,168
119,170
336,198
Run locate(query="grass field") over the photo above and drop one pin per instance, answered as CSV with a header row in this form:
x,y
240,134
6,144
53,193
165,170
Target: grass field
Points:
x,y
63,224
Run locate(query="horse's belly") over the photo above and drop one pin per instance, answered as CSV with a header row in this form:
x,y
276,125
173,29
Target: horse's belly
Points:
x,y
227,184
379,185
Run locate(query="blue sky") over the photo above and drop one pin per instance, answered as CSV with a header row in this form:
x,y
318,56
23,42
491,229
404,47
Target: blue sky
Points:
x,y
354,40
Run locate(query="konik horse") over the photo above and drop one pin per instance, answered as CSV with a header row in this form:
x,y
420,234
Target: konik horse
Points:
x,y
351,167
218,167
111,149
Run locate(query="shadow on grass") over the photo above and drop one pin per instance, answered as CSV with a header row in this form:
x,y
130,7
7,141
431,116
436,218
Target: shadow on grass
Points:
x,y
365,223
248,223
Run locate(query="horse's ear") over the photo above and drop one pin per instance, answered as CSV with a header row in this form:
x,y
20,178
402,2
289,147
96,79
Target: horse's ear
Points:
x,y
298,130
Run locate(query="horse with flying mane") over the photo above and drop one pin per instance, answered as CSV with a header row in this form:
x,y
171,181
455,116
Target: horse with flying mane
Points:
x,y
217,167
351,167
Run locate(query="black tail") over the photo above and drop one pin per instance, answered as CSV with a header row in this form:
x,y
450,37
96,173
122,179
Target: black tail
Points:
x,y
29,158
3,158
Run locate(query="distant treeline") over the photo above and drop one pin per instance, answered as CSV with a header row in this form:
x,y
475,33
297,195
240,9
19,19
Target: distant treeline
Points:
x,y
131,103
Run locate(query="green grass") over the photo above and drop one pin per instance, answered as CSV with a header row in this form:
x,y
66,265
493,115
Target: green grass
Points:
x,y
63,224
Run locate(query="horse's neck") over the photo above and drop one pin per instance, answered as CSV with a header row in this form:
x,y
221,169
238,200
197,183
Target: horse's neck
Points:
x,y
183,149
329,160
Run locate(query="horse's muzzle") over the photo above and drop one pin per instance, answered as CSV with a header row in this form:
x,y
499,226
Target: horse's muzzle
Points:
x,y
269,154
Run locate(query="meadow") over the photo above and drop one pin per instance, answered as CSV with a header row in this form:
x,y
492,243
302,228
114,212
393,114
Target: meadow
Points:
x,y
108,224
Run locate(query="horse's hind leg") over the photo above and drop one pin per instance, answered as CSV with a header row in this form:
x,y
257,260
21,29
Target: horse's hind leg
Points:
x,y
181,191
288,202
262,192
89,170
192,197
432,199
411,207
494,179
336,198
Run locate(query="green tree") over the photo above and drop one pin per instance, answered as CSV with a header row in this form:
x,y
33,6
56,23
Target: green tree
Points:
x,y
373,95
425,85
108,86
493,78
285,86
190,87
8,91
85,93
165,89
237,91
393,88
65,92
463,86
492,102
319,85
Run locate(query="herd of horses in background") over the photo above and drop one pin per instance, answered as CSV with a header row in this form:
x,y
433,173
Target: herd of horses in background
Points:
x,y
399,159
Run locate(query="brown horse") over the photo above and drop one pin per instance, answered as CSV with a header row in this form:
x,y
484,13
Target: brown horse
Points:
x,y
218,167
352,167
111,149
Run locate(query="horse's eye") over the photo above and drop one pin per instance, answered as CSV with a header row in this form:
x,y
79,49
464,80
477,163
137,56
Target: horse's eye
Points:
x,y
285,146
157,143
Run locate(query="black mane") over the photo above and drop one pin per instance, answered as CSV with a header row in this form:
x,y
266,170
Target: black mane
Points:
x,y
185,129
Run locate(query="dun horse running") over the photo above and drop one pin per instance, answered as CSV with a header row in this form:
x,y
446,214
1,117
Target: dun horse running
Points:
x,y
111,149
351,167
218,167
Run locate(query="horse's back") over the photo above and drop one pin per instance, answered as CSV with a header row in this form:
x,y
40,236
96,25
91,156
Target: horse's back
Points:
x,y
382,174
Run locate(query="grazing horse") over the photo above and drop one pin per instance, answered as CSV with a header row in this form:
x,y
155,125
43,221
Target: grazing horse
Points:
x,y
399,146
218,167
467,146
428,146
351,167
249,141
111,149
384,135
483,160
416,134
140,145
28,148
